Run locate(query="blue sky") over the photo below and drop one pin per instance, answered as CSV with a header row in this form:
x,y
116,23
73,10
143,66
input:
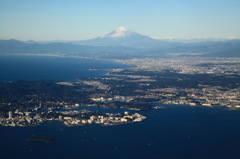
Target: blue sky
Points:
x,y
85,19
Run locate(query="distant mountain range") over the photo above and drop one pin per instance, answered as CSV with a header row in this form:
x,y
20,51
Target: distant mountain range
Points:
x,y
195,40
15,46
122,41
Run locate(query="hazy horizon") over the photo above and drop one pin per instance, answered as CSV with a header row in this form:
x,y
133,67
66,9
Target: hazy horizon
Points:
x,y
81,20
157,38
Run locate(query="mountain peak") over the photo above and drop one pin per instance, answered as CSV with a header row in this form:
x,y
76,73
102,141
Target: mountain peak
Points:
x,y
122,29
120,32
122,36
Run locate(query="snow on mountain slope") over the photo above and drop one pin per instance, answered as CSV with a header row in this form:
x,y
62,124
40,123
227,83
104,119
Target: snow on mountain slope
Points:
x,y
123,36
119,33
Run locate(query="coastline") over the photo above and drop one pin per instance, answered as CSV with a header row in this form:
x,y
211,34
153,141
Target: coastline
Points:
x,y
108,74
65,55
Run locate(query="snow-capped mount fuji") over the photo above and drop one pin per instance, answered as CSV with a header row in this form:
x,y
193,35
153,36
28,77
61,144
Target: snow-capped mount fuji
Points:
x,y
123,36
120,32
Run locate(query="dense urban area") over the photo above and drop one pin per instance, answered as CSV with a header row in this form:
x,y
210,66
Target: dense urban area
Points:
x,y
195,81
70,118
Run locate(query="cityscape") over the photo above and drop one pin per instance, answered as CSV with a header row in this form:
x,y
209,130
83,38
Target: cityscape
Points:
x,y
70,118
156,79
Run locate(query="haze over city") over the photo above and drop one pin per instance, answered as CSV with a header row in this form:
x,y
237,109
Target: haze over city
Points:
x,y
80,20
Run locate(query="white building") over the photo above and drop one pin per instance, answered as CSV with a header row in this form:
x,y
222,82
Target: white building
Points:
x,y
10,114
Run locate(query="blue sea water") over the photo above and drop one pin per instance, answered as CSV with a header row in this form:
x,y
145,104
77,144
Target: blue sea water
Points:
x,y
178,132
29,67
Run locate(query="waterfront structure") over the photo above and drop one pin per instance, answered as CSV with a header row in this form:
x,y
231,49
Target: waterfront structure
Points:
x,y
10,114
60,117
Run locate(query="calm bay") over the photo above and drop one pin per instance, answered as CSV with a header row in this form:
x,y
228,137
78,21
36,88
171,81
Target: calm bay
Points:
x,y
177,132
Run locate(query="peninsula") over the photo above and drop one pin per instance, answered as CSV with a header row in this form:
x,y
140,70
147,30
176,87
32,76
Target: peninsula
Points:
x,y
191,81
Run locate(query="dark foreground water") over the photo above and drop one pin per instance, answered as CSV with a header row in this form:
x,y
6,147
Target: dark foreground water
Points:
x,y
178,132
